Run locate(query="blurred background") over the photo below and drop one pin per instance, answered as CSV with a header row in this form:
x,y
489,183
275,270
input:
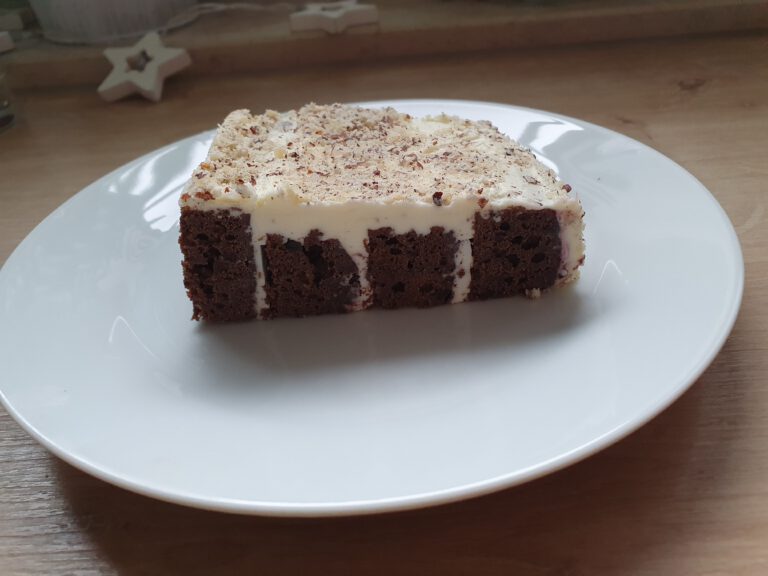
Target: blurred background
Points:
x,y
50,43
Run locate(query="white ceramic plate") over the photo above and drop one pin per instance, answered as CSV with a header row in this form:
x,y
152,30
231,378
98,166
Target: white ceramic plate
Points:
x,y
373,411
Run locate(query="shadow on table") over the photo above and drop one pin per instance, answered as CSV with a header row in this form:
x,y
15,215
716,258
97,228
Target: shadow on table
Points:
x,y
613,513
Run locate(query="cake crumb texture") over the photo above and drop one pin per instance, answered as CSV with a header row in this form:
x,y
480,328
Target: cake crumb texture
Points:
x,y
514,252
219,271
411,270
307,278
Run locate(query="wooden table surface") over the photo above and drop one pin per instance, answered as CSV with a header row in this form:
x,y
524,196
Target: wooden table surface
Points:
x,y
686,494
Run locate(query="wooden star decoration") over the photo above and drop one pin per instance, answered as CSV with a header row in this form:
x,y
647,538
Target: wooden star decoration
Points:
x,y
333,17
142,68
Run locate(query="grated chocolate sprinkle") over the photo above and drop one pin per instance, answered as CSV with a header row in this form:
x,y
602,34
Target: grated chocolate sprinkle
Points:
x,y
328,154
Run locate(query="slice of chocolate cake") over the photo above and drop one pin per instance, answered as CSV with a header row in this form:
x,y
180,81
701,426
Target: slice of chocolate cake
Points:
x,y
335,208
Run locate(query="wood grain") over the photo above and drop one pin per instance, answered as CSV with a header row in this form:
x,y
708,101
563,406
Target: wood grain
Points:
x,y
687,494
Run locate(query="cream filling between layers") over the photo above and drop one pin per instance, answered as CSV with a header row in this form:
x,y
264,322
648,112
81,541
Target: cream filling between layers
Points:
x,y
571,244
349,223
462,275
286,214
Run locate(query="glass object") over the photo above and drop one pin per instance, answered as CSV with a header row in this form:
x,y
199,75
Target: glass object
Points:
x,y
103,21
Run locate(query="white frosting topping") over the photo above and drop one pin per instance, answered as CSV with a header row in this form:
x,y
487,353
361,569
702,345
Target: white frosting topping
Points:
x,y
336,154
344,170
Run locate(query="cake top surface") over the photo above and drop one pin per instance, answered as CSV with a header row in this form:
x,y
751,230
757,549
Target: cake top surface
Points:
x,y
338,153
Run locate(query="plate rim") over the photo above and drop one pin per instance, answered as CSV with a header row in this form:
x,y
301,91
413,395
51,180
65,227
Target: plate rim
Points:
x,y
424,499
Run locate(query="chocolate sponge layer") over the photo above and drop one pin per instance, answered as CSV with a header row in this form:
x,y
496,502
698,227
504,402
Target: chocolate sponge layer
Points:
x,y
219,271
407,270
303,279
514,251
